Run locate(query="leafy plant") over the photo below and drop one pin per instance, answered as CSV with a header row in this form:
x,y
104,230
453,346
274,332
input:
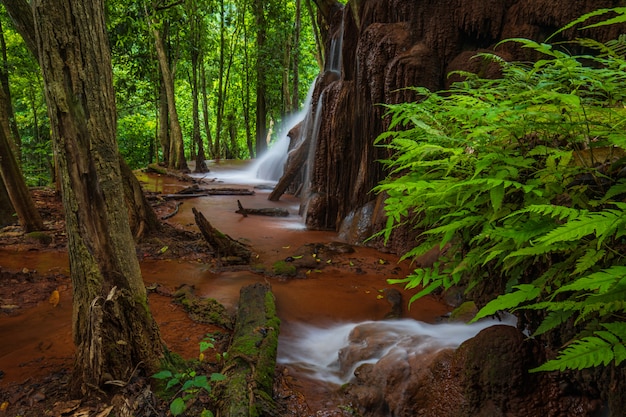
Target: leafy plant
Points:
x,y
519,182
188,383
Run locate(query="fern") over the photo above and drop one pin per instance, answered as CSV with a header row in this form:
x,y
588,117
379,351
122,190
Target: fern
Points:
x,y
606,346
498,170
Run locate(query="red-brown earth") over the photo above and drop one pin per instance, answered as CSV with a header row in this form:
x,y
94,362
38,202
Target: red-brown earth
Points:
x,y
36,353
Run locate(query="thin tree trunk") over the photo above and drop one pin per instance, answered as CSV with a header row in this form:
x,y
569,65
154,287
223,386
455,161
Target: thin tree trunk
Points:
x,y
245,92
177,160
12,177
164,135
114,331
195,61
261,104
205,111
295,101
220,89
4,81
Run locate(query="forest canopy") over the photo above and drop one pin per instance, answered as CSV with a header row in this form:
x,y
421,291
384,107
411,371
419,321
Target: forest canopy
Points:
x,y
216,58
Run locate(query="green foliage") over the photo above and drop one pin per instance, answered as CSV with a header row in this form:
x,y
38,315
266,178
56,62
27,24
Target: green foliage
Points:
x,y
188,383
519,180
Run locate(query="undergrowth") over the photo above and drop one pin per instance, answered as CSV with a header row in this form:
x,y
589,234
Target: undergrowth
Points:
x,y
521,181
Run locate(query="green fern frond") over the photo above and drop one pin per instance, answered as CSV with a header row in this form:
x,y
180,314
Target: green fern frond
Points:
x,y
512,300
603,348
600,282
553,320
589,260
597,223
550,210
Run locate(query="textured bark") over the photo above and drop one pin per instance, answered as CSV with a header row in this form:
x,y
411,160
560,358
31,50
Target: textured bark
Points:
x,y
177,149
114,331
251,362
142,217
392,44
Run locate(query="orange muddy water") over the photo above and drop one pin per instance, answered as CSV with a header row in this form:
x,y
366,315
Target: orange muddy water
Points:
x,y
348,288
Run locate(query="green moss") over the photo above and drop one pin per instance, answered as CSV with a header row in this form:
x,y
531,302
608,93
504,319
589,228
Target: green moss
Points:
x,y
283,268
41,237
464,312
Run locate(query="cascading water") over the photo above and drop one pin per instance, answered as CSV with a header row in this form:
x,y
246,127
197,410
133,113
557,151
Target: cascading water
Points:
x,y
271,164
332,354
334,61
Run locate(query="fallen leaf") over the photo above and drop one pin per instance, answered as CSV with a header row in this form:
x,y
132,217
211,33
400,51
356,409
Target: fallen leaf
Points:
x,y
54,298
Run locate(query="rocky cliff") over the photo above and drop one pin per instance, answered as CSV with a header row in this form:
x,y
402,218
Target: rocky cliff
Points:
x,y
385,46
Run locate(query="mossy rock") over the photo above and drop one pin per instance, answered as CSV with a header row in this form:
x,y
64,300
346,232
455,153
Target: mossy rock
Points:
x,y
464,312
284,269
40,237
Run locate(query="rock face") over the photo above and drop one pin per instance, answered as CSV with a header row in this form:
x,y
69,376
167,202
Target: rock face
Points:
x,y
387,45
487,376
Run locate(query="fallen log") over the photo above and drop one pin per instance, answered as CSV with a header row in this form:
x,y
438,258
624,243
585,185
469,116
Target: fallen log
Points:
x,y
170,172
181,196
267,211
228,191
251,359
296,161
225,247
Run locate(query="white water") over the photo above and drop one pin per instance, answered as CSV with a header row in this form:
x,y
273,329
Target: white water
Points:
x,y
324,353
270,165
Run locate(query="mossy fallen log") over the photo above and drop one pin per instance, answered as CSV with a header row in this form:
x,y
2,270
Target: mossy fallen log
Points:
x,y
266,211
251,359
224,246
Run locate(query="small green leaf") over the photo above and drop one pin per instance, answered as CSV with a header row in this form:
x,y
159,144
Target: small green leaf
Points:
x,y
178,406
217,376
165,374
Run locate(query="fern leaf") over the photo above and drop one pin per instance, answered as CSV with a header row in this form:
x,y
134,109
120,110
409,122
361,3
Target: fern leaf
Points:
x,y
602,348
597,223
552,320
509,301
601,281
588,260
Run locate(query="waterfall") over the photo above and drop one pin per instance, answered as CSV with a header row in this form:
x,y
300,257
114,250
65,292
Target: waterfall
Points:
x,y
271,164
335,57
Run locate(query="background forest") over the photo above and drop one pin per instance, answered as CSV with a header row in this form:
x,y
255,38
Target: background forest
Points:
x,y
235,66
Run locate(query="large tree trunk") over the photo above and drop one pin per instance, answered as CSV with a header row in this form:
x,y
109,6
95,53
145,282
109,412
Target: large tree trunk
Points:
x,y
114,331
143,219
177,160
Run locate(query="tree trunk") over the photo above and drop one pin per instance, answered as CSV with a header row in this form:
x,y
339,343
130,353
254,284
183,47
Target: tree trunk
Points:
x,y
195,59
8,102
205,112
114,331
164,131
295,101
6,208
13,179
251,362
222,245
177,160
261,79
